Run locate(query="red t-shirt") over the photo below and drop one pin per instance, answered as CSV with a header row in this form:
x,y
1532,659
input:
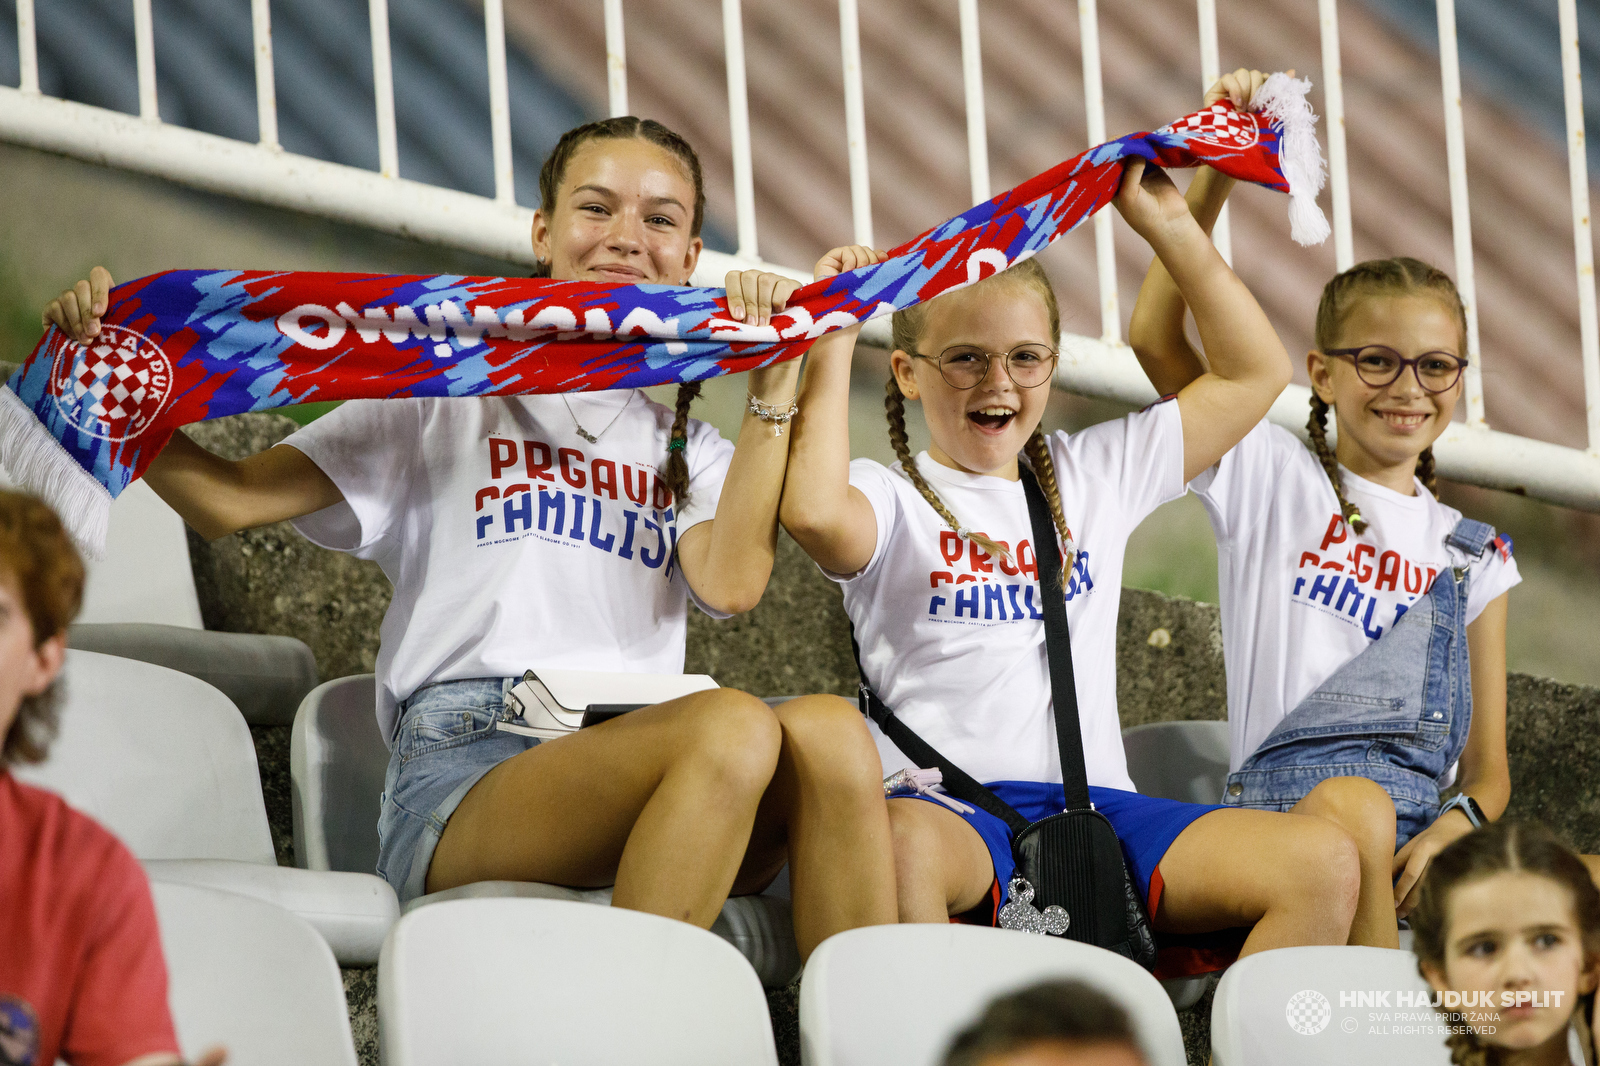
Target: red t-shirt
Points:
x,y
82,976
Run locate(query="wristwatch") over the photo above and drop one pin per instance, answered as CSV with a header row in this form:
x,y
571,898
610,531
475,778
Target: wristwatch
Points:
x,y
1467,806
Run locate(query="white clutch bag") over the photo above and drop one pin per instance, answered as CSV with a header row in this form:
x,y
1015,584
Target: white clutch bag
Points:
x,y
553,703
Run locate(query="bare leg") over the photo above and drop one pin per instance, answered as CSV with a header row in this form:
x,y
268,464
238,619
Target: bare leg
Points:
x,y
941,864
1294,878
1361,807
659,802
825,811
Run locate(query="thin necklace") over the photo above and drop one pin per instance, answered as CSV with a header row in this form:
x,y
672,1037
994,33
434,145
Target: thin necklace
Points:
x,y
593,438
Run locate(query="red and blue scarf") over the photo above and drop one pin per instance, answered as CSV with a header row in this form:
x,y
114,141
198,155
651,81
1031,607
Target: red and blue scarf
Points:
x,y
79,424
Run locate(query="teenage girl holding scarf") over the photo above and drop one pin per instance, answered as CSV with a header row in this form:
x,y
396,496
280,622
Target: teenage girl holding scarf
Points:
x,y
474,508
1334,707
942,586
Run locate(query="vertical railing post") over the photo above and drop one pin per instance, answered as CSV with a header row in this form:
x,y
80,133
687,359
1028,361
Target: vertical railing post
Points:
x,y
1344,256
494,27
144,48
27,48
972,83
383,89
1210,71
266,88
616,60
855,122
1105,252
1582,235
744,189
1455,141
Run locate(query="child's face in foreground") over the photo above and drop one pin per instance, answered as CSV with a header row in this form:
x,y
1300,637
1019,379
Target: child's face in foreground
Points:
x,y
1389,426
24,669
981,429
1516,932
1069,1053
623,214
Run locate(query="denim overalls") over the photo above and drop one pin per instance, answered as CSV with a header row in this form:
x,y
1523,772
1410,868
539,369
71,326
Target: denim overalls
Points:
x,y
1398,713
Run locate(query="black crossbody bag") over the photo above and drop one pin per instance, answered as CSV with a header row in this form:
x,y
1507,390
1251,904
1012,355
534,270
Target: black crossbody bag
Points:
x,y
1071,877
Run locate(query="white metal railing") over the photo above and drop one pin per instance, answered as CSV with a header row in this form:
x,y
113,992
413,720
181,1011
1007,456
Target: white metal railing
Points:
x,y
1103,366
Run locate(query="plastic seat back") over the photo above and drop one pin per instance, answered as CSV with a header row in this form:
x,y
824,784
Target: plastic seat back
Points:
x,y
253,977
900,993
145,575
161,759
1321,1006
508,982
337,760
1185,761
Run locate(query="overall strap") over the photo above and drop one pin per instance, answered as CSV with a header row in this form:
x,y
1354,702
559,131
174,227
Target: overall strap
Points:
x,y
1471,536
1057,643
957,781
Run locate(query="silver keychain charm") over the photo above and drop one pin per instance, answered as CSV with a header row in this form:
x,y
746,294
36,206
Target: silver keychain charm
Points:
x,y
1020,913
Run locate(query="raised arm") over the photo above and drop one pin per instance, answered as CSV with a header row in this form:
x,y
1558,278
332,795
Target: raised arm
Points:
x,y
822,511
1156,331
728,560
1249,366
215,496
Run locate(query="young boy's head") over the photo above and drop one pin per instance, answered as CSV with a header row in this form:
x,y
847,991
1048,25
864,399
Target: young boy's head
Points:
x,y
41,588
1056,1023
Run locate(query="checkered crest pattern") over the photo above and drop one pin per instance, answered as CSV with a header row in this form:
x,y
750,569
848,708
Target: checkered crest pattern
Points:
x,y
1218,124
1308,1012
114,381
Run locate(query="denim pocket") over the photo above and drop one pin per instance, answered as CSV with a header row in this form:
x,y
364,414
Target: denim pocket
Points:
x,y
446,728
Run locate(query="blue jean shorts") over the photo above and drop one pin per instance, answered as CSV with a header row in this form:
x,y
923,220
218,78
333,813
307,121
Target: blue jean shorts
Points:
x,y
446,741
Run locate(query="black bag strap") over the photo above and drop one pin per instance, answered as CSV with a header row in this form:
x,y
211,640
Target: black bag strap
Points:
x,y
1057,643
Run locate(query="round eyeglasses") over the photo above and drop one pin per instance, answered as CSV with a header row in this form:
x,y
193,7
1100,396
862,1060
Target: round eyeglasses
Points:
x,y
963,366
1380,366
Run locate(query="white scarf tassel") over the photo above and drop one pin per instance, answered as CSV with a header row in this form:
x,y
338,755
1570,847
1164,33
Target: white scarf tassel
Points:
x,y
1283,99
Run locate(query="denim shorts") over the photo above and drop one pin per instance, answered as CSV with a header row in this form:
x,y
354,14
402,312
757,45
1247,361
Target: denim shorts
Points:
x,y
446,741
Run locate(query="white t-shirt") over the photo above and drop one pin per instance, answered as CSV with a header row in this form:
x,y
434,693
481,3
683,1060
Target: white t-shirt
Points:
x,y
513,543
1301,593
953,639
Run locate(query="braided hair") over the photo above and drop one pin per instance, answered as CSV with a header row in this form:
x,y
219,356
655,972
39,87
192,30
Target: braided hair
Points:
x,y
1400,275
907,328
1501,847
551,175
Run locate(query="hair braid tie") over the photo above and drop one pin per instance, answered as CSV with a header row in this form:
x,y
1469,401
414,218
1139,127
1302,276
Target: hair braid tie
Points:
x,y
894,408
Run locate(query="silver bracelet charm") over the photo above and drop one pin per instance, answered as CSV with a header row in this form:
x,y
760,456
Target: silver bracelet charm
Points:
x,y
777,415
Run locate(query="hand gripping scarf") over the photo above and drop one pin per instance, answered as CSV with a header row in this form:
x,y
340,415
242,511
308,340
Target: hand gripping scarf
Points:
x,y
78,425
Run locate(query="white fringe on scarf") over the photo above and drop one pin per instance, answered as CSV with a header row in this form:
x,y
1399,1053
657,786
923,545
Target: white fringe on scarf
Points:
x,y
1283,99
39,464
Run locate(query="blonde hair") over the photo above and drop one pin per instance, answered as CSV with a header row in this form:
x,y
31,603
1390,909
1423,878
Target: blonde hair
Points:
x,y
907,326
1399,276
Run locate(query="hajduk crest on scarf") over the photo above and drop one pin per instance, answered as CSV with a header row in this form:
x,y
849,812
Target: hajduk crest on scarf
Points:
x,y
79,424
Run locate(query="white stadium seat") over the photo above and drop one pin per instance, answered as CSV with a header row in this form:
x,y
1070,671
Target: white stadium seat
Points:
x,y
337,761
252,977
899,993
528,982
1324,1006
145,575
166,763
1185,761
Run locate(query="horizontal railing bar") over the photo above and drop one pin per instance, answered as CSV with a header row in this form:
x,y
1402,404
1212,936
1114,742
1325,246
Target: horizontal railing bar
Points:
x,y
1090,366
1485,457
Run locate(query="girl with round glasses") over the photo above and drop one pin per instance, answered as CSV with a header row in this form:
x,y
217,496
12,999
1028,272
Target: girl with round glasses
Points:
x,y
1363,620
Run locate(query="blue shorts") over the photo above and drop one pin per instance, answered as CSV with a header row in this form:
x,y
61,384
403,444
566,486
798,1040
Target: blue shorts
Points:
x,y
446,741
1146,826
